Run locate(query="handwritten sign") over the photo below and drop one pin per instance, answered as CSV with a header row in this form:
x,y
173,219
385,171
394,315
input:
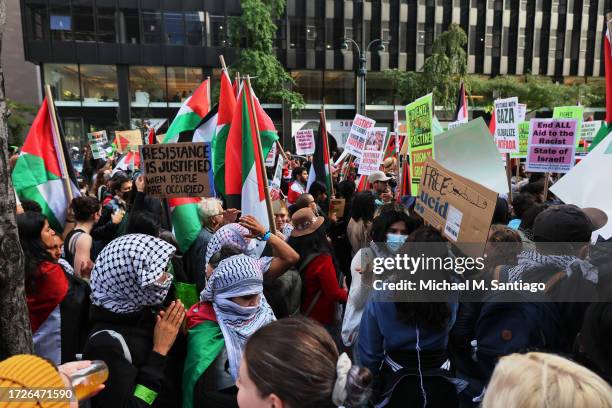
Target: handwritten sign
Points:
x,y
523,129
506,130
271,156
373,151
176,170
521,112
128,138
419,123
552,145
304,142
461,209
590,129
278,173
358,135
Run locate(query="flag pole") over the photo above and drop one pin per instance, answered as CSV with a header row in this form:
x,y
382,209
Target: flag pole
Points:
x,y
326,152
58,141
208,90
397,152
509,175
261,161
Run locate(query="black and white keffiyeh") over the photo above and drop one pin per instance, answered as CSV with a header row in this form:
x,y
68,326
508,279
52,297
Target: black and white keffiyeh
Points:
x,y
529,260
126,275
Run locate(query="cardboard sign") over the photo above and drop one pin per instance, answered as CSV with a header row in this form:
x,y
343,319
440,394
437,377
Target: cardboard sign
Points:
x,y
552,145
304,142
358,135
99,137
523,129
570,112
419,118
176,170
271,156
461,209
128,138
506,129
372,154
278,173
337,205
589,129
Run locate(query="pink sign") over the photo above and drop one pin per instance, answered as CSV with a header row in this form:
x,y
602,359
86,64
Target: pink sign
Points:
x,y
552,145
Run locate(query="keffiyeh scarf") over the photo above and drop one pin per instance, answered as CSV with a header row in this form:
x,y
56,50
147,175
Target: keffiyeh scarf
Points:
x,y
230,234
126,275
530,260
236,276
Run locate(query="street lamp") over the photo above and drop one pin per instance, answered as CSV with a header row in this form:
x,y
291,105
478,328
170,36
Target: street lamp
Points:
x,y
362,70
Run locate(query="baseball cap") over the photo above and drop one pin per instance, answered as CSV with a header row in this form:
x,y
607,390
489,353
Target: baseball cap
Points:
x,y
567,223
378,176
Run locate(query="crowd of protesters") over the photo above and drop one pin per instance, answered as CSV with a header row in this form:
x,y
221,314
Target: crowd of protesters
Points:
x,y
246,318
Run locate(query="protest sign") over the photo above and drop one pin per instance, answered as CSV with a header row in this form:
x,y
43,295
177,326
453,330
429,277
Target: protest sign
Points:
x,y
460,209
552,145
506,131
358,134
176,170
337,205
419,118
521,111
278,173
372,154
589,129
453,125
271,156
470,150
97,151
523,130
125,138
570,112
99,137
304,142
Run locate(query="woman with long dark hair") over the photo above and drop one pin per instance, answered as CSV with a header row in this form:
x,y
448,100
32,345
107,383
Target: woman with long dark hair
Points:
x,y
362,214
51,293
78,250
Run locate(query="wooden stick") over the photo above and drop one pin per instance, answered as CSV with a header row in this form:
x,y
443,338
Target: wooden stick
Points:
x,y
222,60
282,151
546,186
518,167
58,142
208,90
509,175
262,161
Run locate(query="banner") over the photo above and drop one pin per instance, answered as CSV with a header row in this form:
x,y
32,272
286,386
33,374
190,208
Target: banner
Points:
x,y
419,118
175,170
278,173
523,131
459,208
372,154
304,142
357,136
552,145
570,112
271,156
506,131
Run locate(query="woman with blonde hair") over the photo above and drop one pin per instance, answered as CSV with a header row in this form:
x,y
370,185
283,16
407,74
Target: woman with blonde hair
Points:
x,y
545,380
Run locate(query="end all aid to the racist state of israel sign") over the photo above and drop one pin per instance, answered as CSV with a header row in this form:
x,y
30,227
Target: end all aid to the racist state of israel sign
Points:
x,y
552,145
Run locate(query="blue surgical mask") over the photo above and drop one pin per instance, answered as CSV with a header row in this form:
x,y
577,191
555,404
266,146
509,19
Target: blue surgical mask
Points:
x,y
395,241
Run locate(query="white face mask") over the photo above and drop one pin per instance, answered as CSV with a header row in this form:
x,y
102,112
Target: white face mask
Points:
x,y
395,241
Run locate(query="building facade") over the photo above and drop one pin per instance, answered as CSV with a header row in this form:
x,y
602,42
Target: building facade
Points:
x,y
113,61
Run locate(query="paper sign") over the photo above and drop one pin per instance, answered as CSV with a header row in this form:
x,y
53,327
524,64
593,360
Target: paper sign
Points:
x,y
372,154
304,142
470,151
98,137
358,134
97,152
453,125
461,209
176,170
419,118
506,130
590,129
271,156
552,145
278,173
523,129
570,112
337,205
521,111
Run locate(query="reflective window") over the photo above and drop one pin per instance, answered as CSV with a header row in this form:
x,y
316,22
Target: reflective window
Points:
x,y
379,90
83,24
218,31
99,83
106,25
182,82
64,80
297,33
194,27
60,22
38,21
147,85
152,27
175,30
339,87
129,28
73,131
309,84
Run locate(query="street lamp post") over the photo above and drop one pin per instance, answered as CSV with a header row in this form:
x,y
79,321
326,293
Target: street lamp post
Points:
x,y
362,70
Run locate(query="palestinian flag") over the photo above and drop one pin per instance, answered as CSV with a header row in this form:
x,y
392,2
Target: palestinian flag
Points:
x,y
606,126
190,114
151,136
362,183
227,105
461,113
319,170
492,123
39,169
129,162
244,184
392,146
120,143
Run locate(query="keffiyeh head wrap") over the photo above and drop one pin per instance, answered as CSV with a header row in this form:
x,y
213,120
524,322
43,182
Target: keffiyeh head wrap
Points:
x,y
126,275
239,275
230,234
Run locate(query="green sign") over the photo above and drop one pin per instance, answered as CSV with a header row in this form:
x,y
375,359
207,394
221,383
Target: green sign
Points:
x,y
419,118
523,132
570,112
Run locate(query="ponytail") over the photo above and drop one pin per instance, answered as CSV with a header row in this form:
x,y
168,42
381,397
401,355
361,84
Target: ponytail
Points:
x,y
352,386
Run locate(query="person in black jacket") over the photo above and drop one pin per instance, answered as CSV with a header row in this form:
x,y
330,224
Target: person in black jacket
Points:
x,y
131,333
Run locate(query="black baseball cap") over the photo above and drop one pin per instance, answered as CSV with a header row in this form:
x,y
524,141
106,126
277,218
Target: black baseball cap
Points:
x,y
567,223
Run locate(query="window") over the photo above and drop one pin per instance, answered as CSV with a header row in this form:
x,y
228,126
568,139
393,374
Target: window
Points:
x,y
73,131
339,87
521,40
38,21
309,84
60,22
182,82
421,34
194,27
551,46
536,43
147,86
64,80
130,29
554,8
152,27
505,35
218,31
524,5
438,29
507,5
472,40
106,25
84,28
297,33
99,83
174,28
379,90
311,33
